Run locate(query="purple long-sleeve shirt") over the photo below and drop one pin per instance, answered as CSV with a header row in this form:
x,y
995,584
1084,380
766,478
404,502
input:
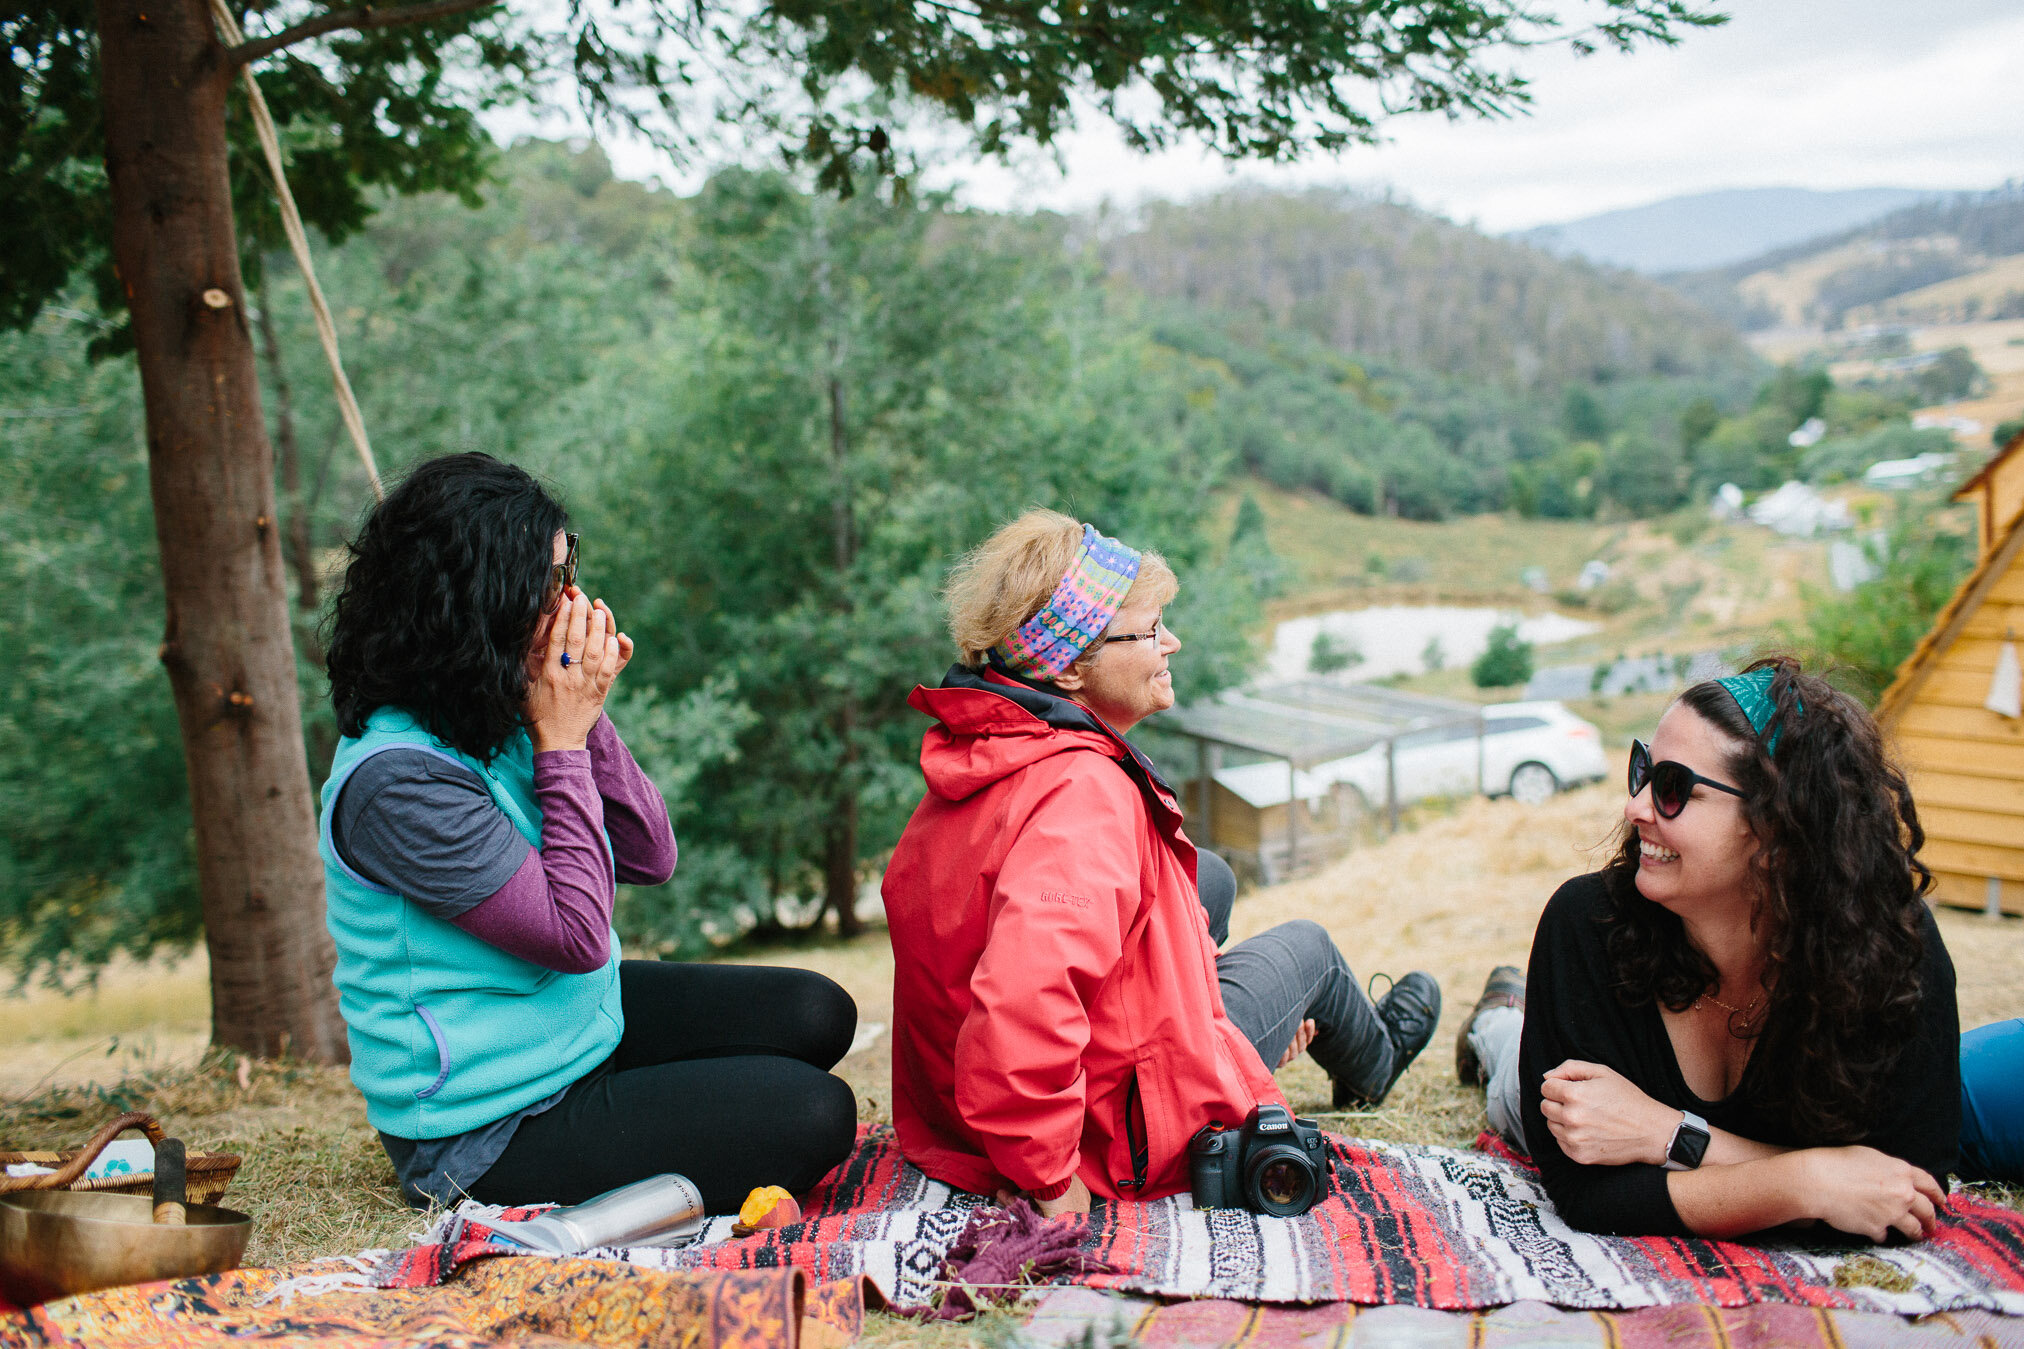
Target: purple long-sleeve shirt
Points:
x,y
556,909
428,828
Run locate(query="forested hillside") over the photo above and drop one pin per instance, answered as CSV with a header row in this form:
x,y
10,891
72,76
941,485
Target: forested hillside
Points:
x,y
1386,282
1876,271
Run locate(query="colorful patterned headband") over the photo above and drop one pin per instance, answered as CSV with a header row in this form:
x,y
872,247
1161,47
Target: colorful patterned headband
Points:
x,y
1752,693
1077,613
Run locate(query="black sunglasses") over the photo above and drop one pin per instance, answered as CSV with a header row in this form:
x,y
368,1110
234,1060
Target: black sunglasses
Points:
x,y
561,576
1672,783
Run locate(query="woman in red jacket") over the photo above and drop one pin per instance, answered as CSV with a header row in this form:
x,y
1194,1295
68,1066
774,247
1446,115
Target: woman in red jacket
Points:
x,y
1063,1023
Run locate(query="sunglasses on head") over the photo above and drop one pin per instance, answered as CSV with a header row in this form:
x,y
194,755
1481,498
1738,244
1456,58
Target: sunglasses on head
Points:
x,y
1672,783
561,576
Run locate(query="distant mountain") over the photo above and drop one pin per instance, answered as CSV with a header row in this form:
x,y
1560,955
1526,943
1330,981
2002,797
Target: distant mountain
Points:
x,y
1382,281
1714,229
1940,260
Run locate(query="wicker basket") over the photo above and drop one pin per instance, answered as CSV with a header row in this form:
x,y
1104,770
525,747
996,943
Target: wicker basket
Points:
x,y
209,1173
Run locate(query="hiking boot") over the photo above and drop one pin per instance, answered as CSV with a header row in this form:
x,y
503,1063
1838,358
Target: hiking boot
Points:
x,y
1409,1012
1504,988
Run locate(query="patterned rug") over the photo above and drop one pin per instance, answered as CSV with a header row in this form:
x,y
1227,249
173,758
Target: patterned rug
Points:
x,y
488,1304
1083,1318
1430,1227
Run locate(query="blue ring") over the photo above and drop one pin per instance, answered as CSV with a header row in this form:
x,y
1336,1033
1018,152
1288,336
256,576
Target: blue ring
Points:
x,y
565,660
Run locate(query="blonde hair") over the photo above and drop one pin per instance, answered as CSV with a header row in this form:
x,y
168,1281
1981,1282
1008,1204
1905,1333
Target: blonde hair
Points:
x,y
1010,576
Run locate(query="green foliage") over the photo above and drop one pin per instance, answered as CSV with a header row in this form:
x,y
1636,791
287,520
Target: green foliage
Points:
x,y
96,856
1954,374
1843,458
1366,278
390,108
1330,654
1868,632
1751,451
1505,661
1582,415
1251,551
2006,432
1643,474
1559,487
830,85
1796,392
666,364
1250,525
862,391
1698,422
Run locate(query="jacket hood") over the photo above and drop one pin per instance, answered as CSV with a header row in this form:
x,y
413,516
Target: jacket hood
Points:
x,y
992,725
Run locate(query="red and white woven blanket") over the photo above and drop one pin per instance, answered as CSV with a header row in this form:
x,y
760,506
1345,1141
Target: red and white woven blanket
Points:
x,y
1431,1227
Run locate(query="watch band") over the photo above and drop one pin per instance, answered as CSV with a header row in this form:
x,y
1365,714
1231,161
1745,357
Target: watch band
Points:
x,y
1689,1142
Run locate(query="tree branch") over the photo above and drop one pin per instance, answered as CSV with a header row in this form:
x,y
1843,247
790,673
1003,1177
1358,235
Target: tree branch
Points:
x,y
365,16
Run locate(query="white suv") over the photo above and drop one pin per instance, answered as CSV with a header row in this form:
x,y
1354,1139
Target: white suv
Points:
x,y
1529,752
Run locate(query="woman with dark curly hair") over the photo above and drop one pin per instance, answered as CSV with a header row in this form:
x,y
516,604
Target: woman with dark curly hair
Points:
x,y
1747,1018
480,811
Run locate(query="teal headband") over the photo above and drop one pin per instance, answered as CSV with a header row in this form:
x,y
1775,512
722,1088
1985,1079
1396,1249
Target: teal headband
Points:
x,y
1752,693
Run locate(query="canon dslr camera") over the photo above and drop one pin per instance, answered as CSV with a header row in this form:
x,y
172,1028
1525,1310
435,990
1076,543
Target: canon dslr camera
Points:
x,y
1275,1164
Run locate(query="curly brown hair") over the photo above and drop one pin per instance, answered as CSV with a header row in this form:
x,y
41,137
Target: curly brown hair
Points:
x,y
1840,901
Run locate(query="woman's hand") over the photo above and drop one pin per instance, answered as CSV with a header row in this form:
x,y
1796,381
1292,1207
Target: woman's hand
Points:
x,y
1601,1118
1871,1193
565,701
1301,1039
1072,1202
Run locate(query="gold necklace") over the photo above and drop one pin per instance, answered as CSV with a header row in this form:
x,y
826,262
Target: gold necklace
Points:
x,y
1745,1011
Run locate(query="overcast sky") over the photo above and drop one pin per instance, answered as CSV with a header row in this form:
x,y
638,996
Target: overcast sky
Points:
x,y
1790,93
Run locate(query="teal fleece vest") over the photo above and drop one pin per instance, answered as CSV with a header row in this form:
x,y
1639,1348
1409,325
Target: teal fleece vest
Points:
x,y
449,1032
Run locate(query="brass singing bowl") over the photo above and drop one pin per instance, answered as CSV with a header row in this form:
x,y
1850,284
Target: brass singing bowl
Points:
x,y
54,1243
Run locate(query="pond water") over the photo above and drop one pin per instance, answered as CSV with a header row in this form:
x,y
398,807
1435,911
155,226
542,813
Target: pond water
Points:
x,y
1393,639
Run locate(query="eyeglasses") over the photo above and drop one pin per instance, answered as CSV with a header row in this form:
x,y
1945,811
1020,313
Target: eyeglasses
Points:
x,y
561,576
1672,783
1159,626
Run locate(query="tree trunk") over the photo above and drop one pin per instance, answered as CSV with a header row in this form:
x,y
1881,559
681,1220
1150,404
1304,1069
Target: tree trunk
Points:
x,y
227,651
840,846
839,864
295,527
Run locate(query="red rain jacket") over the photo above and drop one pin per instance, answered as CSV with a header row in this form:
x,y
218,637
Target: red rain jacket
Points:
x,y
1055,1006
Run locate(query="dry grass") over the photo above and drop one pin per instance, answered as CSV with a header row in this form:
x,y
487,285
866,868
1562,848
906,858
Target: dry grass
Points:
x,y
1454,896
314,1178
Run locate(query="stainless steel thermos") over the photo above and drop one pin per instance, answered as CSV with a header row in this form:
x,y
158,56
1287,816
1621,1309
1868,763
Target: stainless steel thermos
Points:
x,y
664,1210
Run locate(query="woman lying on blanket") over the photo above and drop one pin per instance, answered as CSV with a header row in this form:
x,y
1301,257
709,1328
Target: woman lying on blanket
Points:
x,y
1062,1021
479,812
1747,1018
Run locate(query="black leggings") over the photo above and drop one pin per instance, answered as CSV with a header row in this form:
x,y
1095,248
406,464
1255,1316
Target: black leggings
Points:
x,y
719,1076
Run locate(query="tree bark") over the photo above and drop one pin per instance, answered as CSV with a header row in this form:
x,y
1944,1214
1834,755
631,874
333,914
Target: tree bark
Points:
x,y
839,861
227,651
840,847
295,526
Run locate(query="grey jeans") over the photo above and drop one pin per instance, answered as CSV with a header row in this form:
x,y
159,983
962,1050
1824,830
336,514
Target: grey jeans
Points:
x,y
1289,974
1495,1038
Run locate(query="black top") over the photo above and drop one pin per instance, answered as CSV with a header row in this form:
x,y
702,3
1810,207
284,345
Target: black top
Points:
x,y
1572,1012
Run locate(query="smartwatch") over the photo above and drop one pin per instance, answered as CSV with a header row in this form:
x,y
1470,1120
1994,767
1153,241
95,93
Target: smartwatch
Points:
x,y
1690,1143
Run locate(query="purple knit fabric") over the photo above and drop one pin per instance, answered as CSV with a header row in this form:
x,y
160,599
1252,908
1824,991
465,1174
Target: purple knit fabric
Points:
x,y
556,909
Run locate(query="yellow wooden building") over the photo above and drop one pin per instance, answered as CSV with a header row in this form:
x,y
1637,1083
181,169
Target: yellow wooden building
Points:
x,y
1965,759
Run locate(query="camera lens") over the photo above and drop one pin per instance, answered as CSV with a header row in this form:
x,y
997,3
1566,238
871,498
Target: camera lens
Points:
x,y
1281,1181
1282,1184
